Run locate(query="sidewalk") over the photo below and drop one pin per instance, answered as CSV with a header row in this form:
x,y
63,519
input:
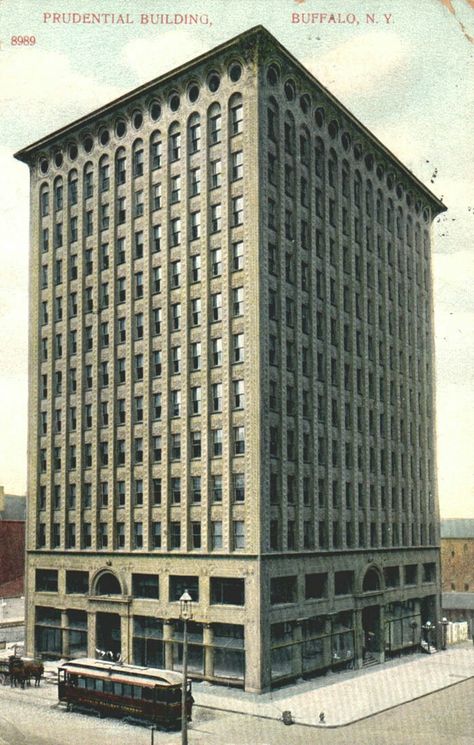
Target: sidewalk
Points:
x,y
348,696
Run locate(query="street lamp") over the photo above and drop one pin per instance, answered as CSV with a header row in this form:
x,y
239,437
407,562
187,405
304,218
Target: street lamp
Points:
x,y
444,623
185,614
428,627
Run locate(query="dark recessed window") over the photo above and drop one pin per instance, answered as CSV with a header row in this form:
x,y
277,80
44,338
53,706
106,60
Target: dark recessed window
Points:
x,y
145,586
273,75
227,591
343,583
346,140
283,590
333,129
290,90
213,82
180,583
77,582
369,161
46,580
399,191
390,181
174,102
44,166
305,103
73,152
104,137
137,119
88,144
155,111
120,128
315,585
357,151
193,92
380,171
319,117
58,159
235,71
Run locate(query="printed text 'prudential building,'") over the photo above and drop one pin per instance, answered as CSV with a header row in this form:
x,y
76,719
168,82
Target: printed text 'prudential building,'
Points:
x,y
231,379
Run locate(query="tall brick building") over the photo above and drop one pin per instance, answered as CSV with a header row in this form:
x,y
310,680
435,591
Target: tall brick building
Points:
x,y
231,381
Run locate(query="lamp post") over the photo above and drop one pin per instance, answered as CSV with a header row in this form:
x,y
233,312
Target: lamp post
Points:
x,y
444,623
185,614
428,627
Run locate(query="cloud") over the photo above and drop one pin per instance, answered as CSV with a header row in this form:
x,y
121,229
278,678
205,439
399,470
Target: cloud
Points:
x,y
362,64
30,80
149,58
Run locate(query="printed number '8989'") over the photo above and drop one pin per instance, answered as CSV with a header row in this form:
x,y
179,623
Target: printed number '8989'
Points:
x,y
23,41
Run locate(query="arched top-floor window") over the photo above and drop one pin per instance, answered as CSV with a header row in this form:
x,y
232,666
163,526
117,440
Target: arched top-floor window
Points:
x,y
305,143
319,157
273,120
44,200
120,166
357,188
72,187
174,142
104,173
88,186
137,157
379,207
346,176
368,197
236,114
58,193
290,135
332,167
156,150
194,133
214,123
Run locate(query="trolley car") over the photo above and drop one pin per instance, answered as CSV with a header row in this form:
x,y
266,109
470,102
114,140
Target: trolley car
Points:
x,y
120,690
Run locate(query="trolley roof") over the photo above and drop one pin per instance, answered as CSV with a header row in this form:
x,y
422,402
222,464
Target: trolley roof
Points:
x,y
131,674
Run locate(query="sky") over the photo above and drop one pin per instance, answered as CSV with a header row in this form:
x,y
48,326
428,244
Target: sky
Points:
x,y
409,78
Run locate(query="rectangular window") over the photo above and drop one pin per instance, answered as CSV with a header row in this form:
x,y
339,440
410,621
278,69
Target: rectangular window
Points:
x,y
239,534
227,591
145,586
283,590
216,534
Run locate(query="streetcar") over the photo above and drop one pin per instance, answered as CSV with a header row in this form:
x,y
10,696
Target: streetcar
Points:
x,y
119,690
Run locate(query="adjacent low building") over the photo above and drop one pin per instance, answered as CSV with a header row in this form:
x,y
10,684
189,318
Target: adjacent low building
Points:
x,y
457,569
231,386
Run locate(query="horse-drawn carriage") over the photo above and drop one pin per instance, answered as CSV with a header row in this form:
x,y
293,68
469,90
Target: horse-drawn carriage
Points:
x,y
18,671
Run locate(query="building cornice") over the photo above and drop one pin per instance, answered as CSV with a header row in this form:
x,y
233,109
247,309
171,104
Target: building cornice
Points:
x,y
257,34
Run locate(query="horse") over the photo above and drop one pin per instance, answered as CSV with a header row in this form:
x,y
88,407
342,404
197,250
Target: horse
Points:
x,y
33,669
16,671
21,671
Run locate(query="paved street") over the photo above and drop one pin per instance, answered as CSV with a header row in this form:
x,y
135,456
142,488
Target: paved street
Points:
x,y
445,717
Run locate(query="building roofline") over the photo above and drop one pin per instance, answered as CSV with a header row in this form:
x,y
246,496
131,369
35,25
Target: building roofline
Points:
x,y
24,153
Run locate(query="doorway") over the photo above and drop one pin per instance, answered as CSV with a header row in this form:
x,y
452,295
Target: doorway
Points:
x,y
108,633
372,638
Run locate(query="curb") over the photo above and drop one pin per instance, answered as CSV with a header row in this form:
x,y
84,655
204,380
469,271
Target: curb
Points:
x,y
343,724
